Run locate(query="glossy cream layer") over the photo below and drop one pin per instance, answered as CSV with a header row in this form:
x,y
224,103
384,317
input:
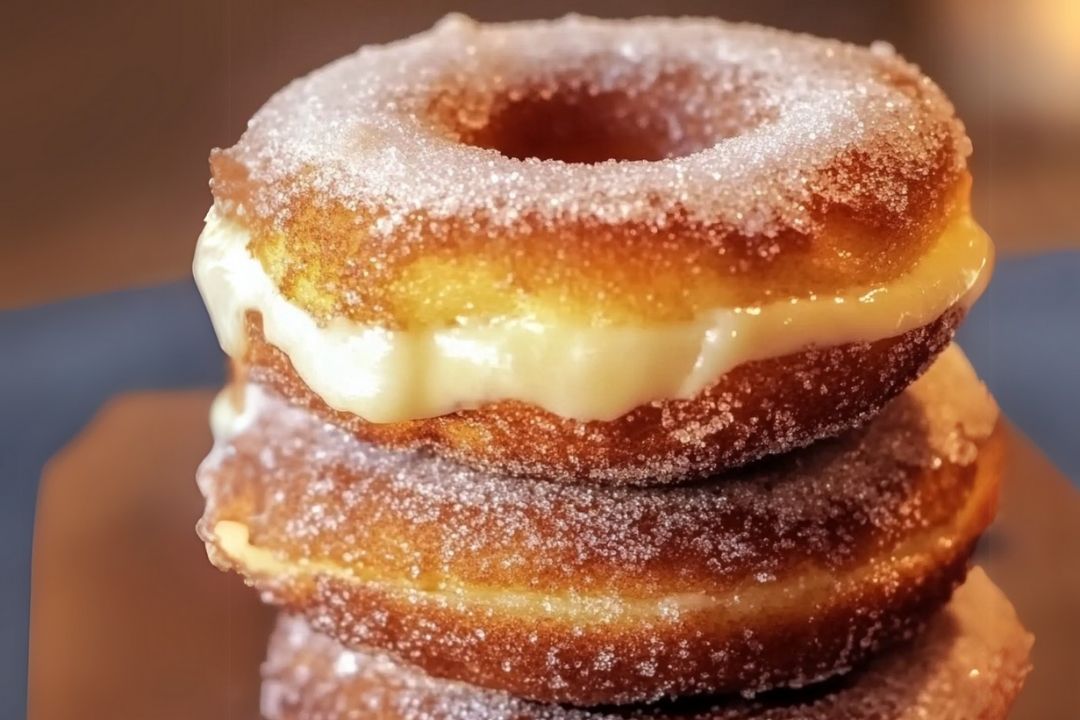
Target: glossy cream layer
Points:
x,y
580,372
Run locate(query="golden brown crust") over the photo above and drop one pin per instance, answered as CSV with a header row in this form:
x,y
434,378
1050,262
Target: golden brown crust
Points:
x,y
970,662
782,573
587,665
622,275
461,179
759,408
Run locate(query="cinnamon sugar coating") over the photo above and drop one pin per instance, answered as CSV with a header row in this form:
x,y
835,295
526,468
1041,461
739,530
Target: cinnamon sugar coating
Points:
x,y
600,170
968,664
783,573
757,409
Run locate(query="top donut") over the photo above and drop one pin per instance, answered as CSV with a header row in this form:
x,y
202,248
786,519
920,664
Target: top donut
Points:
x,y
608,171
615,251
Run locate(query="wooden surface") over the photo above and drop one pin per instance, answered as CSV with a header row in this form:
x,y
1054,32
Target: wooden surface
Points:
x,y
128,618
130,621
111,108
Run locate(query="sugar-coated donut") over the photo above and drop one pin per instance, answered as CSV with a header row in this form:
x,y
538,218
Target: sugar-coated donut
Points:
x,y
782,573
969,663
664,247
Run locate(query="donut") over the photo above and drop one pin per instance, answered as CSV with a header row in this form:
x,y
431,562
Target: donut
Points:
x,y
970,662
781,573
619,252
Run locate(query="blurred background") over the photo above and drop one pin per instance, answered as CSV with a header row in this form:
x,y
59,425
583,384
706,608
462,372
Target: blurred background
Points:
x,y
109,110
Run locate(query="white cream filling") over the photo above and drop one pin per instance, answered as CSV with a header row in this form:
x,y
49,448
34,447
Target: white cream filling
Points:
x,y
580,372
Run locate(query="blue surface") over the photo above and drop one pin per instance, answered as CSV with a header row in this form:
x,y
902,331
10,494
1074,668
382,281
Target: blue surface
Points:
x,y
60,362
1024,339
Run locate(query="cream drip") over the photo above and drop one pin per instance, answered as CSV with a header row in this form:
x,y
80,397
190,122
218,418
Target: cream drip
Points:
x,y
572,370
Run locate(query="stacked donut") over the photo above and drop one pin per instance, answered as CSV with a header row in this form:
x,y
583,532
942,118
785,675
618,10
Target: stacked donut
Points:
x,y
597,369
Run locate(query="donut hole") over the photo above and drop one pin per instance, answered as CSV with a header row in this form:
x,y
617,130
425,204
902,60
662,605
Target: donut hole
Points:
x,y
570,119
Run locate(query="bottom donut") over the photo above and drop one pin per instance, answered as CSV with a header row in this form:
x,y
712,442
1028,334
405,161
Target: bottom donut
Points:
x,y
968,664
779,575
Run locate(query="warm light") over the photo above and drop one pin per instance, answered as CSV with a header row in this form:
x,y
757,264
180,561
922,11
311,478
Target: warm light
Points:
x,y
1055,29
1028,54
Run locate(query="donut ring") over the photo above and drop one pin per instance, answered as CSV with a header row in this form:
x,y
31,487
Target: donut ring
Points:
x,y
427,229
970,662
783,573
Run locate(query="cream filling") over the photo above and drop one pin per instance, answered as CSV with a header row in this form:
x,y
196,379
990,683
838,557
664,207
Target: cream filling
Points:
x,y
574,371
